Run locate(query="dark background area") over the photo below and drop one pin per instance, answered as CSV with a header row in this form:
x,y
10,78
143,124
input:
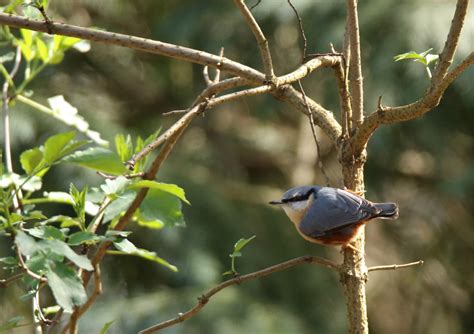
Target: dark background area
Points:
x,y
237,157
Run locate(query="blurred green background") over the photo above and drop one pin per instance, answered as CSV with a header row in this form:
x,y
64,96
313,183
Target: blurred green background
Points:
x,y
237,157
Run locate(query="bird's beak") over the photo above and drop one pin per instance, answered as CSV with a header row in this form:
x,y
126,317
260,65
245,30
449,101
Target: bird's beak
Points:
x,y
275,202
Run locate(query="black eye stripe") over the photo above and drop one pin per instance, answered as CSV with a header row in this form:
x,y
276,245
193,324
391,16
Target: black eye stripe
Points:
x,y
298,197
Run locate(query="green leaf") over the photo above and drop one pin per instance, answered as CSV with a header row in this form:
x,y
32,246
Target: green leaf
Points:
x,y
51,310
124,146
31,159
10,324
160,206
242,243
7,57
56,146
60,247
106,327
116,186
119,205
79,203
59,197
83,237
26,244
98,158
66,286
46,232
27,36
113,235
9,260
124,246
172,189
42,50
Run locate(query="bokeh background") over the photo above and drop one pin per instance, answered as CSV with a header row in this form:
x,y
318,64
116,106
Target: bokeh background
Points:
x,y
237,157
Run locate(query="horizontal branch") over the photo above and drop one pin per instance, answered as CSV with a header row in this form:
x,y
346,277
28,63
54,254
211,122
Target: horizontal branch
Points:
x,y
324,60
137,43
204,299
396,266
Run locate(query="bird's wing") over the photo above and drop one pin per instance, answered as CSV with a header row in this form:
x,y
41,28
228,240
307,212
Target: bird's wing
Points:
x,y
334,209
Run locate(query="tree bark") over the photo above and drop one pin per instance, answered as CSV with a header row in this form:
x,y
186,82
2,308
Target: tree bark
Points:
x,y
354,273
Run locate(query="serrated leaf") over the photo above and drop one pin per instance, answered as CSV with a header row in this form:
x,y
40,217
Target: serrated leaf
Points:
x,y
124,146
172,189
83,237
56,146
163,207
79,203
66,286
27,36
98,158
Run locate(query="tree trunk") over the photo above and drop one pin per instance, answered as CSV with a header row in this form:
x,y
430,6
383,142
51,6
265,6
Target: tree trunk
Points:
x,y
354,273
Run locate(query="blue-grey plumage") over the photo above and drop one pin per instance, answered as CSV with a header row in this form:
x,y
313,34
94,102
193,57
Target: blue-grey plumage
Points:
x,y
329,215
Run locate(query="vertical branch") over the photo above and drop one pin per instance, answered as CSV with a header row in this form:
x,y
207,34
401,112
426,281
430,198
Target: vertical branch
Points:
x,y
354,274
260,37
355,68
446,57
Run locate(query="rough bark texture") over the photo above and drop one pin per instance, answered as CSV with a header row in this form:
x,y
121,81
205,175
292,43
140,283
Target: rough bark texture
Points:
x,y
354,273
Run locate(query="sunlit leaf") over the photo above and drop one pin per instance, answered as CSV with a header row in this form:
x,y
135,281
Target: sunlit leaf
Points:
x,y
119,205
31,159
124,246
161,206
98,158
55,146
172,189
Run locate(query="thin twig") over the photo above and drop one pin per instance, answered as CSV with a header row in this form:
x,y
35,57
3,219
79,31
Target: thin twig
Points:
x,y
204,299
255,5
7,281
396,266
303,35
313,130
189,116
260,37
27,270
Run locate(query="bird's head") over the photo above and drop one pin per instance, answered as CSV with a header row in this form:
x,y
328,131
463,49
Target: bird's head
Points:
x,y
296,201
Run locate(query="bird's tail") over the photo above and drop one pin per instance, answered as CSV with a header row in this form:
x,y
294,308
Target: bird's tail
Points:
x,y
387,210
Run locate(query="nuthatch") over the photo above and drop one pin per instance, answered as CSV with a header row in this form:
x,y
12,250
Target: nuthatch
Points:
x,y
331,216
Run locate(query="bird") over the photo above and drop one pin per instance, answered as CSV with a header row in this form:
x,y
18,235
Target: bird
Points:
x,y
331,216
